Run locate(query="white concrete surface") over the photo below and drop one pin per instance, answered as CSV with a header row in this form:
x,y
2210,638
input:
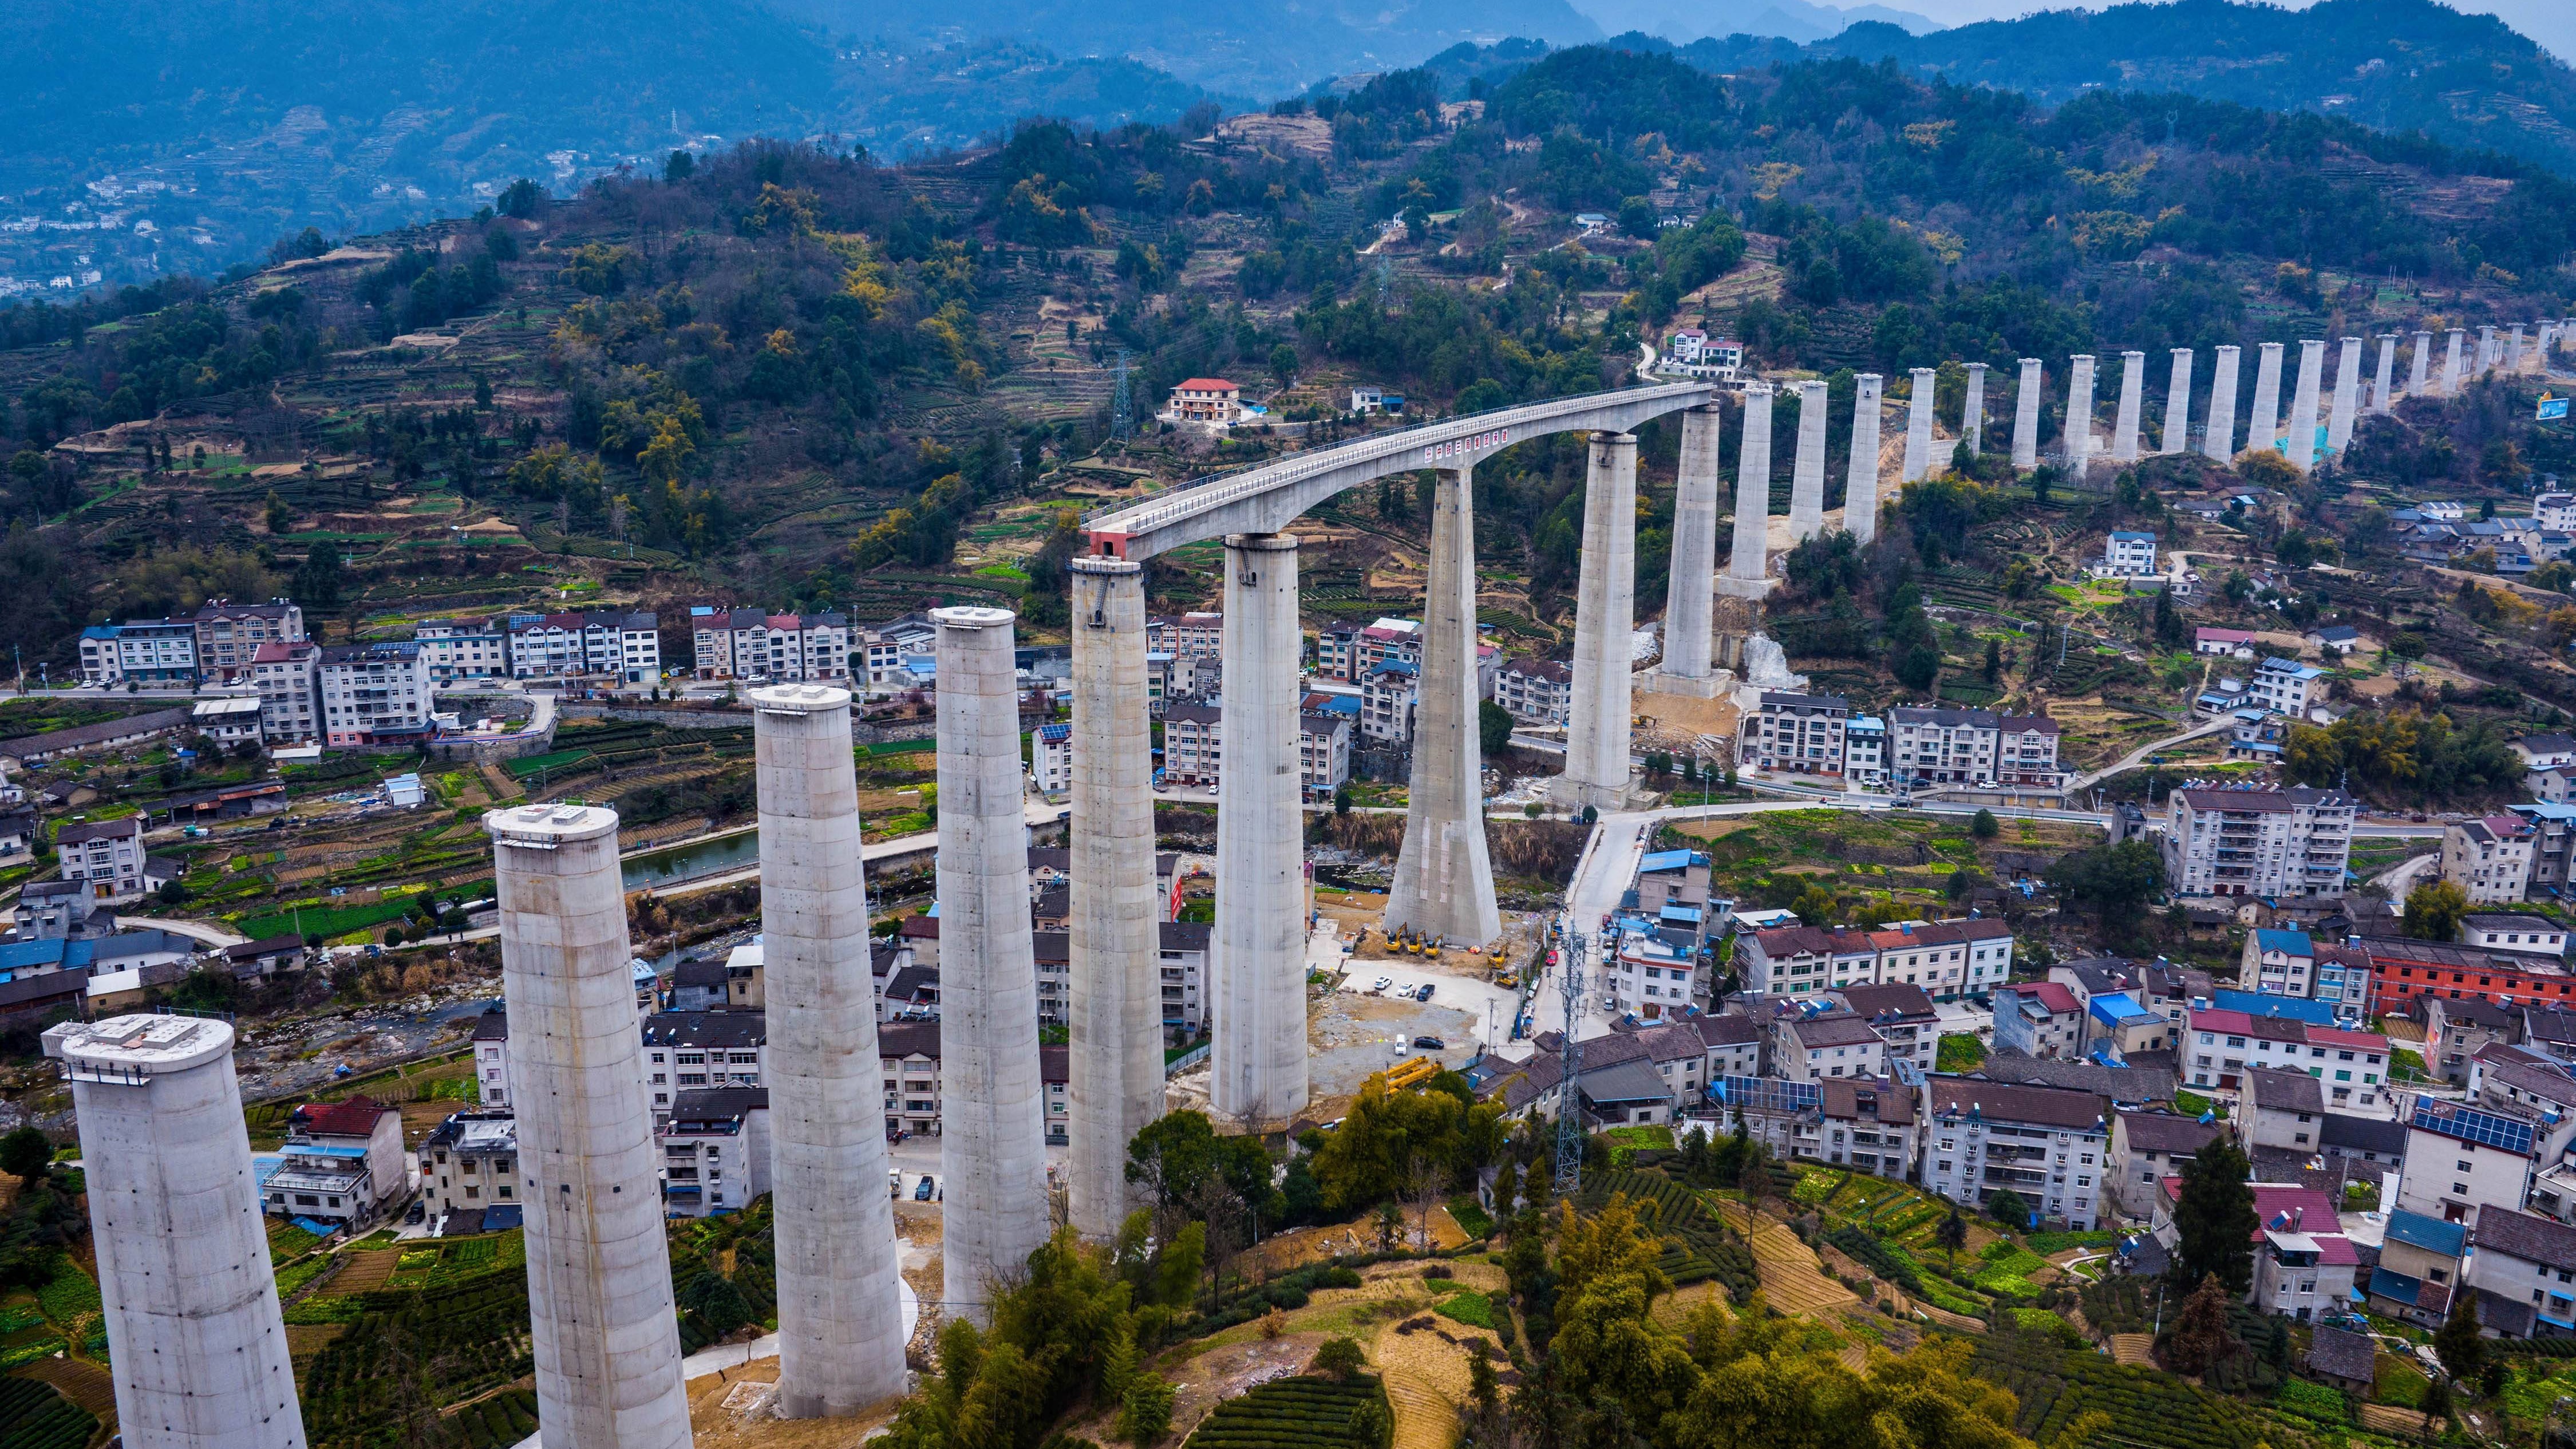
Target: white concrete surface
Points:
x,y
2219,440
1860,481
599,1270
1444,880
839,1311
1688,597
2420,366
2381,399
2133,394
2302,438
2347,395
1257,1077
2178,404
992,1108
1972,413
1918,425
1807,469
1116,1026
2079,415
2264,423
1596,753
194,1334
2451,364
2025,446
1748,562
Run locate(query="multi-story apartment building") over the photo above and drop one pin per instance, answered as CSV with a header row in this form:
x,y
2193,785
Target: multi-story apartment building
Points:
x,y
2219,1046
2147,1147
2275,843
2285,686
372,694
2292,963
1795,734
1832,1044
683,1050
229,634
1930,747
1865,751
755,644
1323,752
470,1162
2523,1266
1947,959
1051,758
1192,752
1389,693
885,646
2490,858
2039,1019
157,651
625,646
2049,1145
2130,555
2462,1162
2026,752
106,856
715,1151
2553,828
455,649
285,675
100,660
1536,691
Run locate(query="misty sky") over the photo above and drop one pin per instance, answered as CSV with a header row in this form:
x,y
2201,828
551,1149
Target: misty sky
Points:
x,y
2550,22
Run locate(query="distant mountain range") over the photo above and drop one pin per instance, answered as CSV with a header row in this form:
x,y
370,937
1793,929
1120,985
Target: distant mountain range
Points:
x,y
1683,21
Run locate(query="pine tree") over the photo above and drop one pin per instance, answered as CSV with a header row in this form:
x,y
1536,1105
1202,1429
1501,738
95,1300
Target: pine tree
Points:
x,y
2215,1216
2458,1344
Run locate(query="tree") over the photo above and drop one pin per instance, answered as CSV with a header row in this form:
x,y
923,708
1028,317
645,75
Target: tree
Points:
x,y
1493,728
1994,660
1342,800
26,1154
1145,1415
1984,826
2433,911
1338,1357
2006,1207
679,166
1952,1233
2215,1216
1283,363
320,583
2115,881
2457,1344
2200,1340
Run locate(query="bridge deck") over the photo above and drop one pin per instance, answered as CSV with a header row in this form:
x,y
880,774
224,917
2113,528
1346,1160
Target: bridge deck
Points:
x,y
1265,497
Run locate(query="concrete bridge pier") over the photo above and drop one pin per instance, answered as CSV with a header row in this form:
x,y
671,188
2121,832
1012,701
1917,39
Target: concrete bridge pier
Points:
x,y
1860,485
1972,414
2451,364
2026,416
1444,879
2133,402
2178,404
2347,395
1258,968
1807,476
2079,416
840,1310
2419,368
2265,425
1116,1026
1747,568
992,1145
1918,426
1686,667
2218,440
2382,400
1596,753
2302,440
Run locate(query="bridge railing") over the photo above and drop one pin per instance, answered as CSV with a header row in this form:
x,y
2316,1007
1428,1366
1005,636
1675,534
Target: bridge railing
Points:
x,y
1213,490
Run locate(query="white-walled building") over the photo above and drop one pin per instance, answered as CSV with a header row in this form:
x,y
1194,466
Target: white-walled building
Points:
x,y
626,646
2130,555
229,634
373,694
455,649
755,644
1536,691
715,1151
470,1162
106,857
2276,843
289,696
2489,858
1051,758
1795,734
2049,1145
2285,686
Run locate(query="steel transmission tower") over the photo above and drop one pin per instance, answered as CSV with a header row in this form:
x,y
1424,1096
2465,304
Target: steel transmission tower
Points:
x,y
1569,1098
1122,402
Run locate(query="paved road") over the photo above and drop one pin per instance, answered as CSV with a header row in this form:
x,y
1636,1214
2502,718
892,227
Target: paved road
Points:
x,y
2138,756
2402,877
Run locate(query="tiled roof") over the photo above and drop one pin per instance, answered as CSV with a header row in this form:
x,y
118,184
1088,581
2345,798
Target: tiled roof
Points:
x,y
2166,1131
2005,1102
2526,1236
355,1117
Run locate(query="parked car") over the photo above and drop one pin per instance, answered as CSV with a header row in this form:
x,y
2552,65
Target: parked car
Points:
x,y
1424,994
1430,1043
1382,983
923,1192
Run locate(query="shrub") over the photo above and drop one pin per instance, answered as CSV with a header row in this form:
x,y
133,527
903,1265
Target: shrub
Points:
x,y
2312,1401
1471,1308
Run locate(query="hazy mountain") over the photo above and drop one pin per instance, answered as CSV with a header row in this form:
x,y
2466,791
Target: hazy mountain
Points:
x,y
2391,64
1683,21
1249,47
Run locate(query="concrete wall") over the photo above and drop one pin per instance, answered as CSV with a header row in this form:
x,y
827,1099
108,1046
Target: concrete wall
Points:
x,y
599,1269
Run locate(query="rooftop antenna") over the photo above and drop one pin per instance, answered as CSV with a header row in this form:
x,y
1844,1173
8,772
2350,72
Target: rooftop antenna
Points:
x,y
1122,402
1569,1098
